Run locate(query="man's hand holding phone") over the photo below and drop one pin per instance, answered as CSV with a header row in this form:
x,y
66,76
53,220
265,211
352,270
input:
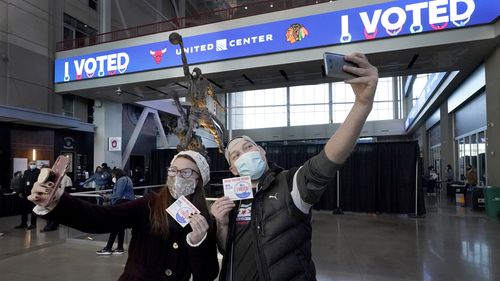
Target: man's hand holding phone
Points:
x,y
334,66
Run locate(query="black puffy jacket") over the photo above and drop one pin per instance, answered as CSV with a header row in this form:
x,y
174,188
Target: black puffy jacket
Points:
x,y
282,233
287,252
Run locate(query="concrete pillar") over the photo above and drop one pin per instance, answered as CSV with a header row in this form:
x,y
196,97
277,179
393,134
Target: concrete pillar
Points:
x,y
104,16
447,140
108,120
493,118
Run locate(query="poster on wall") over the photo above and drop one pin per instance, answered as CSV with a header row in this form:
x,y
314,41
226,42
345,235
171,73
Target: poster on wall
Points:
x,y
19,164
115,144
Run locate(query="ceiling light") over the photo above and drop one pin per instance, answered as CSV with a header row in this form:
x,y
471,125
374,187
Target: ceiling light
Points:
x,y
246,8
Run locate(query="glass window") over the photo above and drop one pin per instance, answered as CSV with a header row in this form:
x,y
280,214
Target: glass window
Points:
x,y
265,97
472,151
381,111
74,29
310,94
383,106
384,89
309,114
259,109
305,105
340,111
342,93
309,105
435,153
68,105
481,155
419,86
461,158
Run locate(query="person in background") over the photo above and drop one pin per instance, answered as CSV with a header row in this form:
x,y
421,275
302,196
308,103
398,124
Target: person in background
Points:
x,y
432,178
160,249
449,173
138,177
123,191
471,178
30,176
15,182
107,173
53,225
100,177
269,237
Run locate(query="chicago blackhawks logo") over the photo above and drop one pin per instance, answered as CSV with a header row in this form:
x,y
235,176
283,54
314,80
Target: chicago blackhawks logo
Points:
x,y
296,32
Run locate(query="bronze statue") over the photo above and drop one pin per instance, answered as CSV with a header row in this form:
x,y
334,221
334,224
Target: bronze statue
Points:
x,y
198,114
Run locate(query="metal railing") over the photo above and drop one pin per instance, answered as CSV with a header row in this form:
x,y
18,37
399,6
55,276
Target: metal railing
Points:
x,y
219,15
101,193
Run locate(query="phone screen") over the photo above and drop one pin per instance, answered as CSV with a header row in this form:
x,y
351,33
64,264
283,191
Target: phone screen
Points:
x,y
333,66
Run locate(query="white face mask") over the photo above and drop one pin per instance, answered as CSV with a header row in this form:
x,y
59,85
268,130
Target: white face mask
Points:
x,y
179,186
113,180
32,167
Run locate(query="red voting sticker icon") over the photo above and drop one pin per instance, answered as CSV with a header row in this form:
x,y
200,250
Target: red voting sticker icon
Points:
x,y
242,190
182,214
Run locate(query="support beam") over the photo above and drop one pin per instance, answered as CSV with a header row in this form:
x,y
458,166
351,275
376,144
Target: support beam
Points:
x,y
137,131
122,18
159,126
160,13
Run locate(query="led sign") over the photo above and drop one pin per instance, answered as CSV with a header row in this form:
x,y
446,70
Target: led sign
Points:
x,y
395,18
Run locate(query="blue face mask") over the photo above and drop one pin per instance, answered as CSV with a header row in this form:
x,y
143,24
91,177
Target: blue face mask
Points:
x,y
251,164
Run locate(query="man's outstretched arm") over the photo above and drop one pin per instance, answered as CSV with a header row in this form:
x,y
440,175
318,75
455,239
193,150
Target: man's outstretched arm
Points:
x,y
341,144
311,180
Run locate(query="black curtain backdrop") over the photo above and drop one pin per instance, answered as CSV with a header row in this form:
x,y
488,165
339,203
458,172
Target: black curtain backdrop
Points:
x,y
380,178
376,178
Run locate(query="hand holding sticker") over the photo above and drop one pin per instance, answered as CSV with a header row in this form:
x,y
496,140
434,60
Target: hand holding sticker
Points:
x,y
238,188
181,210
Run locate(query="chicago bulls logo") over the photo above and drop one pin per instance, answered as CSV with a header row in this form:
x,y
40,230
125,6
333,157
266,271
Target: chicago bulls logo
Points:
x,y
157,55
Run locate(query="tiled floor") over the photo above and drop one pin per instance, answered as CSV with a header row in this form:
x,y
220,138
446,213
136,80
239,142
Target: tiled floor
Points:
x,y
450,243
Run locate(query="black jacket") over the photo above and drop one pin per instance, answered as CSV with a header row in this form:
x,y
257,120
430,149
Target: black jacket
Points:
x,y
150,256
29,179
281,231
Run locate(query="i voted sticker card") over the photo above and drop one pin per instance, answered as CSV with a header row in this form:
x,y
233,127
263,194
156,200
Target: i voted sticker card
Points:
x,y
238,188
181,209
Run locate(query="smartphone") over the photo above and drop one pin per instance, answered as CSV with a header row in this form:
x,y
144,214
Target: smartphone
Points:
x,y
333,66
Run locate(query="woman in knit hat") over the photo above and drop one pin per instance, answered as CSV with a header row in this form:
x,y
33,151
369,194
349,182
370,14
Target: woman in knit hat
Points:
x,y
160,249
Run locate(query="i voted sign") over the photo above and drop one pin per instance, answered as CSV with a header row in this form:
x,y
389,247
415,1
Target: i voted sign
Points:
x,y
238,188
181,209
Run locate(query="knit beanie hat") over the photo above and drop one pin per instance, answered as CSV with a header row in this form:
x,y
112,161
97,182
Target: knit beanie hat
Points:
x,y
232,143
200,161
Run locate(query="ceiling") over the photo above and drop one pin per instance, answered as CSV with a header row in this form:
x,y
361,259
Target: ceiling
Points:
x,y
131,13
